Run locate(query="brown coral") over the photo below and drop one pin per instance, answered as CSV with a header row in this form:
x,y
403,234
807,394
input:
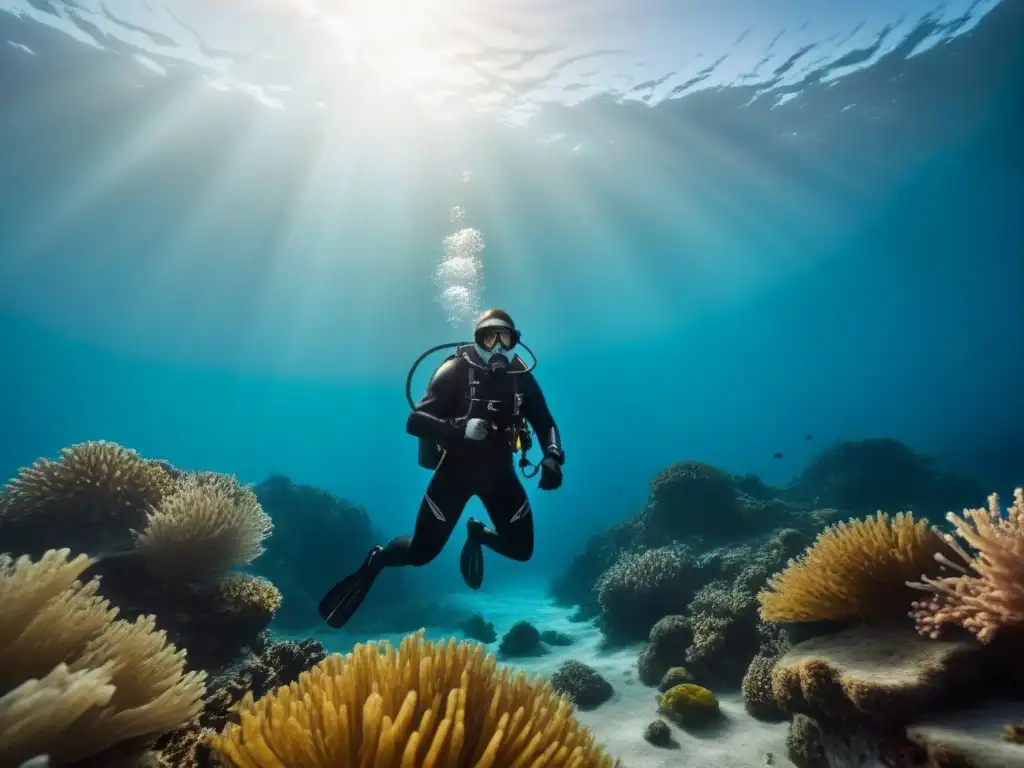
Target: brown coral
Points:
x,y
758,698
988,593
95,493
73,681
423,705
204,529
854,570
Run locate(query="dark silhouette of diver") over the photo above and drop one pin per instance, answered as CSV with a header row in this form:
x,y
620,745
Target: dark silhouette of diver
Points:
x,y
471,421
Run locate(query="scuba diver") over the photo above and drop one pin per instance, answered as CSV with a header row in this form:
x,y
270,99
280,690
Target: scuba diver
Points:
x,y
471,421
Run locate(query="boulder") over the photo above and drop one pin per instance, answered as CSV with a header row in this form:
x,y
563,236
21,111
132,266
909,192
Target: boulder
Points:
x,y
885,675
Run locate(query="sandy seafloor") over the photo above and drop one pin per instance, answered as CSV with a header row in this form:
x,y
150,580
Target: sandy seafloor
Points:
x,y
739,742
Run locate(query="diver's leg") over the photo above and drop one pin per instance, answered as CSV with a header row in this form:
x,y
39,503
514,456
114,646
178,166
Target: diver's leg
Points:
x,y
504,498
445,498
443,502
507,505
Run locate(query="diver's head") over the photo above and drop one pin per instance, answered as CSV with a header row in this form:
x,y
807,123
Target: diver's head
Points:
x,y
494,338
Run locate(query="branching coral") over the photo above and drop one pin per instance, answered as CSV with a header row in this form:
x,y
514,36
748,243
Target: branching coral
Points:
x,y
854,570
94,493
988,593
716,608
641,587
758,698
205,528
423,705
73,681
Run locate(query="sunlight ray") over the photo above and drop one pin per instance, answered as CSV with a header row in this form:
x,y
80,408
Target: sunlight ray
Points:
x,y
144,142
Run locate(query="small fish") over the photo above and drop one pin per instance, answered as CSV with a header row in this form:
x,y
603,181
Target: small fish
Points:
x,y
809,437
777,456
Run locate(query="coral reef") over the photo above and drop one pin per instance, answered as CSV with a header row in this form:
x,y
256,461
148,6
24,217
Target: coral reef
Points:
x,y
666,648
76,681
690,504
861,477
424,704
854,570
694,504
804,743
213,622
551,637
576,585
788,543
94,495
521,640
475,628
641,587
689,705
318,538
692,497
581,683
271,665
720,632
207,526
756,687
195,527
673,677
724,621
987,595
658,733
881,693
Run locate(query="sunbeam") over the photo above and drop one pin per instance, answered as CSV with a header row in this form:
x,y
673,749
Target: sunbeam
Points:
x,y
333,138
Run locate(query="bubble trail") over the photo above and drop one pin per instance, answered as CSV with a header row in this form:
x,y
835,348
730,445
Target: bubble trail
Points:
x,y
460,274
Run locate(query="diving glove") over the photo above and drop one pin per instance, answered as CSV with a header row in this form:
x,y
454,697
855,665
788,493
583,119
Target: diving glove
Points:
x,y
550,474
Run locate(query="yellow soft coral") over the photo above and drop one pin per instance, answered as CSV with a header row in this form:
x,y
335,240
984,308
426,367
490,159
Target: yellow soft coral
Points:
x,y
988,593
445,705
854,570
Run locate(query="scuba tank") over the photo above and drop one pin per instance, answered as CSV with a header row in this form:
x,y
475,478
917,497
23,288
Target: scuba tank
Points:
x,y
429,453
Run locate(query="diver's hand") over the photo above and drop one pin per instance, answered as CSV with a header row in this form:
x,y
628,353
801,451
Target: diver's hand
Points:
x,y
550,474
476,429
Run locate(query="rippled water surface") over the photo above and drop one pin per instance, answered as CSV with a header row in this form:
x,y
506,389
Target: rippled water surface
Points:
x,y
317,177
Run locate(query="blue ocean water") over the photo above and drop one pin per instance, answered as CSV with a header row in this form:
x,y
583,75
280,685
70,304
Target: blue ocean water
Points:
x,y
722,228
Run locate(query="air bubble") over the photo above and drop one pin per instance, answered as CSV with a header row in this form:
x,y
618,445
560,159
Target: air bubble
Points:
x,y
459,276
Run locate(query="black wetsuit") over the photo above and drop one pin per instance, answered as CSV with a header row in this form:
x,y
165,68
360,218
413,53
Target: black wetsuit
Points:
x,y
485,468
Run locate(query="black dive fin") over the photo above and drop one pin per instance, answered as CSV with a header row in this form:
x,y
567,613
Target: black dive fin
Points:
x,y
471,563
340,604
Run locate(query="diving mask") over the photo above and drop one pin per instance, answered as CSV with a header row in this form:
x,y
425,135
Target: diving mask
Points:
x,y
494,342
489,338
